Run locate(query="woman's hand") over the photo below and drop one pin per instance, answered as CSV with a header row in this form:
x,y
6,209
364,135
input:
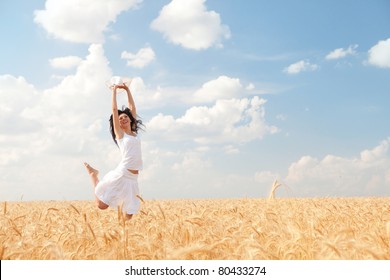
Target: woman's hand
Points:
x,y
123,86
115,87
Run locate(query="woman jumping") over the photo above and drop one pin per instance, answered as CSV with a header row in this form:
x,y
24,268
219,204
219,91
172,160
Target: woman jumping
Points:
x,y
119,187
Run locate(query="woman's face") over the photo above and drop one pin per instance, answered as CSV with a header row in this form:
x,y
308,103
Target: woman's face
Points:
x,y
124,121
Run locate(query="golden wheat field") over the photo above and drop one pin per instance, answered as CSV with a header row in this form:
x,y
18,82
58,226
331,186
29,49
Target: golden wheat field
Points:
x,y
226,229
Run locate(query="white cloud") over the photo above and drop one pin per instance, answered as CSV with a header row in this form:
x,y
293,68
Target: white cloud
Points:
x,y
340,53
191,161
66,62
221,88
379,55
300,66
149,97
61,128
229,121
16,94
189,24
81,21
250,87
231,150
139,60
365,175
67,110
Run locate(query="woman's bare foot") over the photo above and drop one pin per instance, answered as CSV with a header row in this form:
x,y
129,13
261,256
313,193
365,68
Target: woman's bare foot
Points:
x,y
92,171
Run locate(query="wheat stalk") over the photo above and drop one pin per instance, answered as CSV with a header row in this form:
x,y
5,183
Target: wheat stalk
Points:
x,y
275,185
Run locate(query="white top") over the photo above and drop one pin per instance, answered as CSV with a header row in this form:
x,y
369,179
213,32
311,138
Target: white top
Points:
x,y
130,147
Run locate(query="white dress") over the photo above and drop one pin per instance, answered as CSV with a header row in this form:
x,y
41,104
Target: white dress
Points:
x,y
119,187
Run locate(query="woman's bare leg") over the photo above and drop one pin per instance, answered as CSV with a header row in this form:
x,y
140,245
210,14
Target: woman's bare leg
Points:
x,y
93,173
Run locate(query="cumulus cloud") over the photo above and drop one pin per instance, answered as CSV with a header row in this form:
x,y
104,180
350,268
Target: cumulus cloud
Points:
x,y
191,160
364,175
340,53
300,66
61,128
65,62
228,121
221,88
16,95
191,25
71,112
81,21
379,55
230,149
141,59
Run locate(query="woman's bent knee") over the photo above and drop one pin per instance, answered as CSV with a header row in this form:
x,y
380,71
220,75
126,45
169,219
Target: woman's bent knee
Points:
x,y
101,205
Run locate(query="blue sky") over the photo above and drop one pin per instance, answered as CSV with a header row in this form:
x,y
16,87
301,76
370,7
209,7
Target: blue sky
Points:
x,y
234,95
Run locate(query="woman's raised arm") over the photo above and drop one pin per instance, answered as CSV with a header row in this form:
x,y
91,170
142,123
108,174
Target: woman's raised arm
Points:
x,y
131,103
115,117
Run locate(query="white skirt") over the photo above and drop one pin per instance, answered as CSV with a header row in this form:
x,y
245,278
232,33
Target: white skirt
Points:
x,y
119,188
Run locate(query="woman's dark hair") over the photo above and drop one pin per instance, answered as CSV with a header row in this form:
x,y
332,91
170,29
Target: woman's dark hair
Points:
x,y
135,123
